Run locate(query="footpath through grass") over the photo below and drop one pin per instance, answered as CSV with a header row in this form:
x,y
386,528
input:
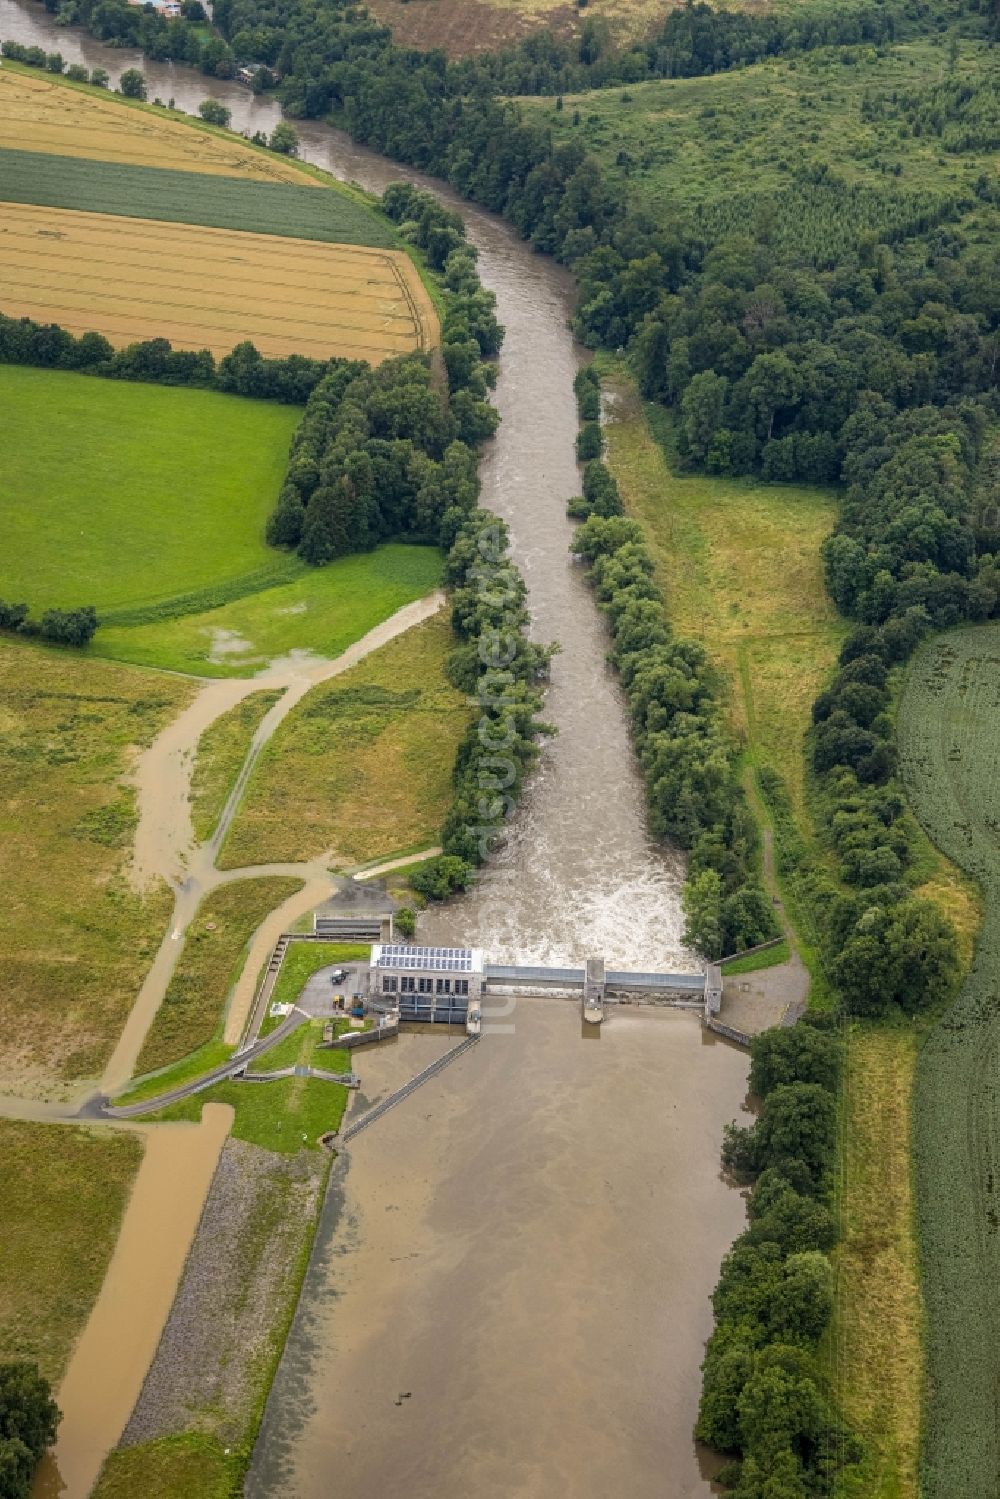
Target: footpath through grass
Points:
x,y
950,752
363,765
222,750
120,494
322,611
75,938
63,1191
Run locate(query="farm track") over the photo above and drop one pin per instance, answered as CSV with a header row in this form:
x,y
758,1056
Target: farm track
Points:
x,y
125,278
37,114
951,759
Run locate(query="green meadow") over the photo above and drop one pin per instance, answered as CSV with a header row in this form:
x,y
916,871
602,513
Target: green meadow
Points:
x,y
323,610
121,495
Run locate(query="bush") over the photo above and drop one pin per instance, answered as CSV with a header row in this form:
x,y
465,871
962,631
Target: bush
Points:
x,y
405,922
29,1419
215,113
284,139
132,84
589,443
796,1053
441,877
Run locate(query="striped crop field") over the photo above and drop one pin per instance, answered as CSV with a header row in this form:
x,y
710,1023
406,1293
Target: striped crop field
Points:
x,y
190,198
949,743
207,288
51,118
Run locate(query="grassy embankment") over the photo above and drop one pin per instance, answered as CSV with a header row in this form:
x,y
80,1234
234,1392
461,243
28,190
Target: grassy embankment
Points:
x,y
63,1191
363,765
211,962
740,566
755,962
285,1116
950,751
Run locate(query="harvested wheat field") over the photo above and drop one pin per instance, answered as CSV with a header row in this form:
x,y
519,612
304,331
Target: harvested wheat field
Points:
x,y
205,288
36,115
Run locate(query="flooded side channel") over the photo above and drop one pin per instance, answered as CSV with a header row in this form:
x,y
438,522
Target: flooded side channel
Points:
x,y
510,1293
117,1345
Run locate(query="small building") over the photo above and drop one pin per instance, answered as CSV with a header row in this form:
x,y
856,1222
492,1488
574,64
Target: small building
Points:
x,y
427,983
171,9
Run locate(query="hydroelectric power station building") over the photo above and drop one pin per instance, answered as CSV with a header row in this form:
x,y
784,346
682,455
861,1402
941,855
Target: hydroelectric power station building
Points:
x,y
427,983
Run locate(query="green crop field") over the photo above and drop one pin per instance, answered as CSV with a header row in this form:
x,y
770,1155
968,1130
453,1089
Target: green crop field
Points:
x,y
118,494
323,610
949,739
190,198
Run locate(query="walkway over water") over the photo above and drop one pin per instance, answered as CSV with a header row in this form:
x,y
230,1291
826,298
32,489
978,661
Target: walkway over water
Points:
x,y
535,976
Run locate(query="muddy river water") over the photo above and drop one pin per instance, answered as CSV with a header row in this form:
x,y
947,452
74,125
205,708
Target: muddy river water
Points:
x,y
510,1291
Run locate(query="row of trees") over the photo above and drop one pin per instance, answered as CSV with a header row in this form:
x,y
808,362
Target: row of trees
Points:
x,y
243,372
764,1397
693,792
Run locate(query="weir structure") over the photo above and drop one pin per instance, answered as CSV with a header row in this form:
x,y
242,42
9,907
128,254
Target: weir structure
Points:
x,y
447,985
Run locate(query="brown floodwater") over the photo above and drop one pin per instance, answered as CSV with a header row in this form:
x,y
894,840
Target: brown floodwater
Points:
x,y
510,1290
117,1344
527,1244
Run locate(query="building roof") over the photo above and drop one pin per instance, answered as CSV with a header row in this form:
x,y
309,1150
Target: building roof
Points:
x,y
409,956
